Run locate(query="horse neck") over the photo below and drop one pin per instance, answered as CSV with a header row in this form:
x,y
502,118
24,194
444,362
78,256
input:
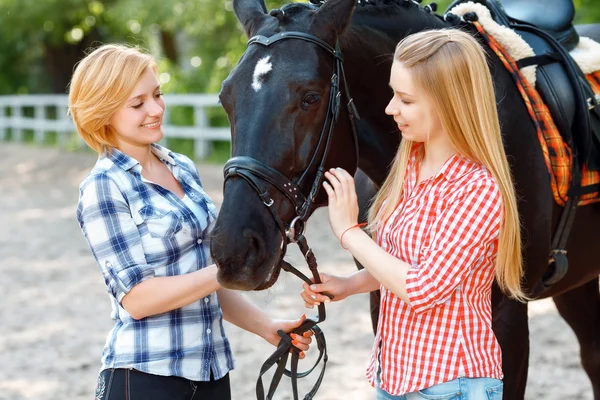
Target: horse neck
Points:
x,y
368,47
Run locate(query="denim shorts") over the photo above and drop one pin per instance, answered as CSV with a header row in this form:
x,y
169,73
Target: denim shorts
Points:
x,y
457,389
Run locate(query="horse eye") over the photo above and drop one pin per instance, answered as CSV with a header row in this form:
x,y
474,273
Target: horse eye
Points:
x,y
310,99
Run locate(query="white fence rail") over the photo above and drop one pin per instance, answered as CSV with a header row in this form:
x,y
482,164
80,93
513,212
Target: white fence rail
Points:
x,y
12,116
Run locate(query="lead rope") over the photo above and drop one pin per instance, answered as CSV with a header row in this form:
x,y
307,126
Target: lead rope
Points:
x,y
280,356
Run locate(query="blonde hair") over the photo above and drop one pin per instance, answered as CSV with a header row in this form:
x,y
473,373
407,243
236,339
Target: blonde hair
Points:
x,y
450,67
101,84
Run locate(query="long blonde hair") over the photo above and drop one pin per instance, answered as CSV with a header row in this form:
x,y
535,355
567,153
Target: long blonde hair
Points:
x,y
101,84
450,67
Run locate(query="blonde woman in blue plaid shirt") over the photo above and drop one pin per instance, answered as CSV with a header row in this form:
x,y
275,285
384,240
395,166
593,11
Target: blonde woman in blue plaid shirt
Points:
x,y
146,218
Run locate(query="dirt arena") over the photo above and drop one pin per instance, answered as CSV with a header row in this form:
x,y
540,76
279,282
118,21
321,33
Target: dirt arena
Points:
x,y
55,310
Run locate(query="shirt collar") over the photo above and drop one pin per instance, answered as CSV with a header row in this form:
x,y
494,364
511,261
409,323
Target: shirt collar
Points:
x,y
163,153
127,163
453,168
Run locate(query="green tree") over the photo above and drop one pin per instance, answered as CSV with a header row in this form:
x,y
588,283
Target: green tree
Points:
x,y
587,11
47,37
197,41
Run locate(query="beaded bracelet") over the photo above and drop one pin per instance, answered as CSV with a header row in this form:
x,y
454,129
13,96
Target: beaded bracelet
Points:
x,y
343,233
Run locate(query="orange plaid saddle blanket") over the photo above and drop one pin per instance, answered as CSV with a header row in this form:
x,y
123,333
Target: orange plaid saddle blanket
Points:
x,y
557,154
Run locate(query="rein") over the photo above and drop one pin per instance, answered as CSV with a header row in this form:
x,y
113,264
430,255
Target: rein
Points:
x,y
255,174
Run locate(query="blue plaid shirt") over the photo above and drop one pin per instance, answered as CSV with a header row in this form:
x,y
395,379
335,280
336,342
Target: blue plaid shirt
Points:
x,y
138,230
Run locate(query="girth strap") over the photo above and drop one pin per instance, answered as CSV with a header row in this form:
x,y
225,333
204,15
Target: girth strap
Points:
x,y
542,59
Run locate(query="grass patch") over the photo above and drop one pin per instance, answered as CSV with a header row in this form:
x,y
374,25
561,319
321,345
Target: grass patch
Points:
x,y
182,146
221,151
50,138
28,136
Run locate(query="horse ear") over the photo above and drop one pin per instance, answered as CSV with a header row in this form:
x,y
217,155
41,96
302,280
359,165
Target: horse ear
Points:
x,y
332,17
251,14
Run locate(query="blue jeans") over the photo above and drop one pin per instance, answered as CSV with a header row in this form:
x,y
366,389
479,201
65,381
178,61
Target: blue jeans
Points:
x,y
457,389
130,384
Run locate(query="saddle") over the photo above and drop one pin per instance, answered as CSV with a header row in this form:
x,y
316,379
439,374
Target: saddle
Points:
x,y
559,80
567,94
558,23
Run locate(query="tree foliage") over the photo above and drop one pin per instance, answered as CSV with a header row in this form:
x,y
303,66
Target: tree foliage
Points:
x,y
197,42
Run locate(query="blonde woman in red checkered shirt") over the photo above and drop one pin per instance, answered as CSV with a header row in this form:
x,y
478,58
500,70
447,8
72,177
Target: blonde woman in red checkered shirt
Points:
x,y
444,223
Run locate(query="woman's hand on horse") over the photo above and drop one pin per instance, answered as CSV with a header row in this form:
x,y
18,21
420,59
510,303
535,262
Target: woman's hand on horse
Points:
x,y
337,286
343,203
301,342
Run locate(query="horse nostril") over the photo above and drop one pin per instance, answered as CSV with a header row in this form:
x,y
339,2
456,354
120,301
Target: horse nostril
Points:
x,y
256,247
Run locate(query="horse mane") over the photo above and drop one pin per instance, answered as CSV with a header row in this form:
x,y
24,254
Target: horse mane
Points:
x,y
376,7
370,6
364,7
374,18
379,17
384,5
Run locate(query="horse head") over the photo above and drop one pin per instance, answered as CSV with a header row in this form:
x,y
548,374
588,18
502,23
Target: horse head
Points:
x,y
283,104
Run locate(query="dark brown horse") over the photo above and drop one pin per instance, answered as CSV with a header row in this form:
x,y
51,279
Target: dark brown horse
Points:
x,y
278,103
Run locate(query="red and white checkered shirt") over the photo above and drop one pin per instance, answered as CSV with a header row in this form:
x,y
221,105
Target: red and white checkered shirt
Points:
x,y
447,228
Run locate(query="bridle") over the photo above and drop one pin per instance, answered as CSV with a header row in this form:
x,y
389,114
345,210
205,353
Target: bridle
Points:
x,y
256,174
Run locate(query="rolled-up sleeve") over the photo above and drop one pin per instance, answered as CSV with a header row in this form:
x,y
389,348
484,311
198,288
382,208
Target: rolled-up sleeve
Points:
x,y
106,222
462,233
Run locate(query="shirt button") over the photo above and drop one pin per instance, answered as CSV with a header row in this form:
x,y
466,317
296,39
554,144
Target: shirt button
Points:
x,y
206,300
199,241
208,331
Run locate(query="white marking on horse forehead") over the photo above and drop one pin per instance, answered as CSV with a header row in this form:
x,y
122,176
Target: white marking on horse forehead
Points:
x,y
263,67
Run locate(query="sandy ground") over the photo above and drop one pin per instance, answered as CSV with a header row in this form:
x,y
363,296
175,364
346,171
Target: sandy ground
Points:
x,y
55,311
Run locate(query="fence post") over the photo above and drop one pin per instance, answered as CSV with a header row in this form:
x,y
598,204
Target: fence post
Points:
x,y
62,134
201,145
17,118
165,121
39,113
3,124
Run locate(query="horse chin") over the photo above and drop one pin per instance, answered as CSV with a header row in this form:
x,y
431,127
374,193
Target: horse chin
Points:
x,y
250,277
227,283
272,277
